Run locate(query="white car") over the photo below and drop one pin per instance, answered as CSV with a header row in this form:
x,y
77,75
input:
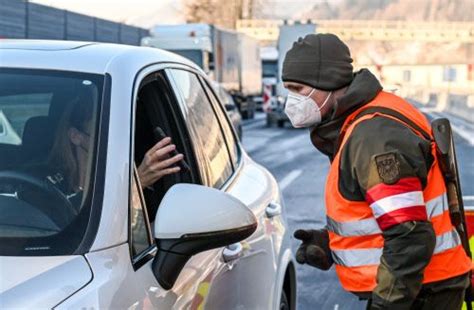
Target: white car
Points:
x,y
78,231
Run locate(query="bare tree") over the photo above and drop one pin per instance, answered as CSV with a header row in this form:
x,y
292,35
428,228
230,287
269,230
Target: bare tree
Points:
x,y
255,9
218,12
199,11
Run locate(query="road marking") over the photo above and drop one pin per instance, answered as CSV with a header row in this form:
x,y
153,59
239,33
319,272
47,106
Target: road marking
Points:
x,y
296,140
289,178
336,307
468,198
253,125
463,133
460,126
259,118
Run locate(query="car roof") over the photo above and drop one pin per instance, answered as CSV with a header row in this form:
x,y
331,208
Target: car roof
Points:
x,y
91,57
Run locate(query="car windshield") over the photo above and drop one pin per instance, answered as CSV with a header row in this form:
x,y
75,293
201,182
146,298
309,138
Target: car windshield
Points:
x,y
48,125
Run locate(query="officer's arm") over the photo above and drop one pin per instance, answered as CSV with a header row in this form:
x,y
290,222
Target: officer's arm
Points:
x,y
390,164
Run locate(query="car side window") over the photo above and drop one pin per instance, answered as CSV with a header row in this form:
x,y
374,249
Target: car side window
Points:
x,y
234,149
204,128
140,239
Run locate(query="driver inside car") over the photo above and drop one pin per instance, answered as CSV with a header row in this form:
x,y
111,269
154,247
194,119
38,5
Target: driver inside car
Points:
x,y
68,162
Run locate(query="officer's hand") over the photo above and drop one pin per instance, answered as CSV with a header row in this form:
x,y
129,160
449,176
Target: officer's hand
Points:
x,y
314,250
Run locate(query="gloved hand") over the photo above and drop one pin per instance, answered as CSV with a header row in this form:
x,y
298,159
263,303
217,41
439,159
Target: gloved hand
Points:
x,y
314,250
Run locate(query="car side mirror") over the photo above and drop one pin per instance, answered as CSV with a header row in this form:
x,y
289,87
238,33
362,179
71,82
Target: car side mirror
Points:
x,y
192,219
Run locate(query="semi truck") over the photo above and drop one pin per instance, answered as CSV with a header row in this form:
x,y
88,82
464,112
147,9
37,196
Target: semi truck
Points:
x,y
269,56
230,58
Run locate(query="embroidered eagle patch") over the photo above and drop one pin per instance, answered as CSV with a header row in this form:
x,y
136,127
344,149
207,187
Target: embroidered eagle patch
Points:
x,y
388,167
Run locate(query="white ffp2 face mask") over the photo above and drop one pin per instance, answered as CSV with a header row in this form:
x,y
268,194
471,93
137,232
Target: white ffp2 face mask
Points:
x,y
303,110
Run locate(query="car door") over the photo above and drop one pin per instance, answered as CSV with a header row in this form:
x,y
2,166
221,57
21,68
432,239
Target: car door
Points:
x,y
191,287
250,266
123,274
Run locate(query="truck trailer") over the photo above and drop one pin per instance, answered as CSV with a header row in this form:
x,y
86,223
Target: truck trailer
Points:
x,y
230,58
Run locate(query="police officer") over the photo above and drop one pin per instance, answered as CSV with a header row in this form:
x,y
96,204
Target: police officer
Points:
x,y
388,230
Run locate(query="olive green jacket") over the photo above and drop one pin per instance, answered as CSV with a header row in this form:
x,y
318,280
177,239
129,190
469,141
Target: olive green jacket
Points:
x,y
408,246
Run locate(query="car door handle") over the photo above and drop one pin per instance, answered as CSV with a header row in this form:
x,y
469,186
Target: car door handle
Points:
x,y
273,209
232,252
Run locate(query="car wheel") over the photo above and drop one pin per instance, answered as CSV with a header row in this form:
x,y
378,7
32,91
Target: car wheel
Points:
x,y
284,304
245,114
281,123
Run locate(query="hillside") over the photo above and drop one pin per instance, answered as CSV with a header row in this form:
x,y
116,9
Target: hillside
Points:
x,y
409,10
413,10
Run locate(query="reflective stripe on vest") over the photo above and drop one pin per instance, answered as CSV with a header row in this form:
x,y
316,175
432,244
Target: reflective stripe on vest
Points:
x,y
369,226
354,228
362,257
437,206
357,257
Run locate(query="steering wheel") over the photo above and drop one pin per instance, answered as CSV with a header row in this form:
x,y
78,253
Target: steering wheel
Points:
x,y
60,209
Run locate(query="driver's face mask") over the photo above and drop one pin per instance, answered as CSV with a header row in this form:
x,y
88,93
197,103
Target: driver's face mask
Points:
x,y
303,111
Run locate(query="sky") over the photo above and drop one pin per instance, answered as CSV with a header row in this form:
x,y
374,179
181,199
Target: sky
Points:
x,y
146,13
117,10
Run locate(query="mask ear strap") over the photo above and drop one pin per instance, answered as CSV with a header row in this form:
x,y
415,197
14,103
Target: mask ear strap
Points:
x,y
325,101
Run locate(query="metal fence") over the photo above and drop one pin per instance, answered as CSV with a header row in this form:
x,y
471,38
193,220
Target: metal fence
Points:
x,y
20,19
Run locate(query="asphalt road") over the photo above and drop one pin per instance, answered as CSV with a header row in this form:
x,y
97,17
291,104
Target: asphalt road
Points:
x,y
301,172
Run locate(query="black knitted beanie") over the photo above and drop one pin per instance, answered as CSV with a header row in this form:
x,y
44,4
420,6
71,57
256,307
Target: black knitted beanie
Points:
x,y
320,60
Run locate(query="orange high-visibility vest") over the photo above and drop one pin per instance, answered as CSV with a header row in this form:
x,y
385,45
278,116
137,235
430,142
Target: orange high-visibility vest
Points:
x,y
355,237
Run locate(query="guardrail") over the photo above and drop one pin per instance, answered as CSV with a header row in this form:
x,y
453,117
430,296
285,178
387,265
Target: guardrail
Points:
x,y
459,103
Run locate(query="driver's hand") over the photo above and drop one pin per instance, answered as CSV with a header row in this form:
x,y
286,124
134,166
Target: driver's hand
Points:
x,y
157,162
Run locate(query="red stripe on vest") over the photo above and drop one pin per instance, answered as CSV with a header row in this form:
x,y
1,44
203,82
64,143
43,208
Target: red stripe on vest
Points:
x,y
383,190
416,213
